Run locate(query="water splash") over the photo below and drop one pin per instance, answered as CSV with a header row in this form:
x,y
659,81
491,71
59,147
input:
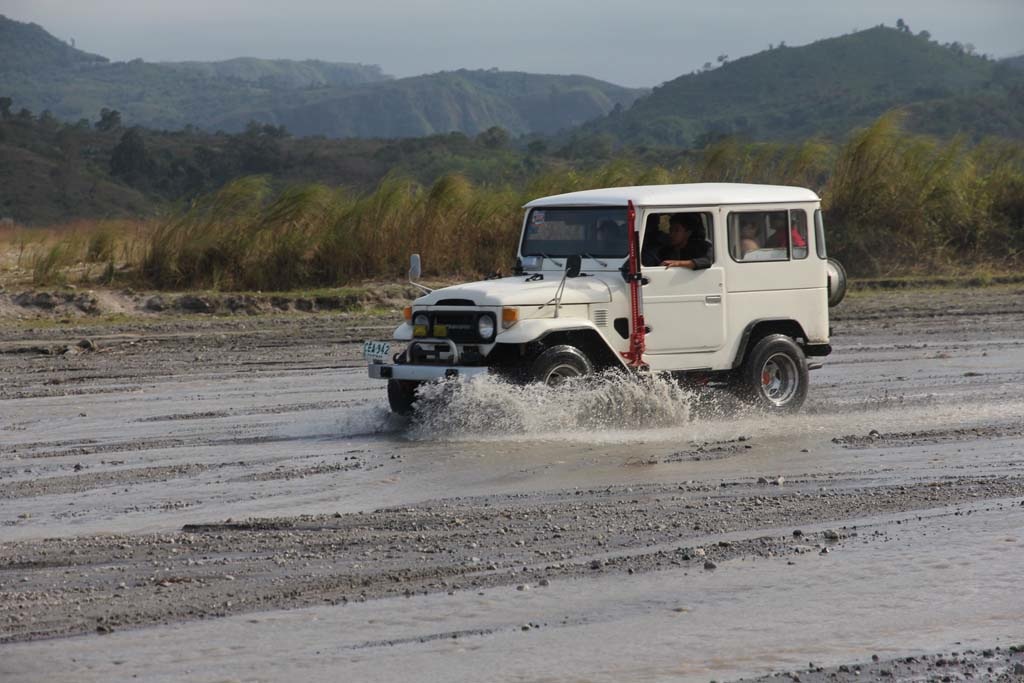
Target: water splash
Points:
x,y
616,407
488,406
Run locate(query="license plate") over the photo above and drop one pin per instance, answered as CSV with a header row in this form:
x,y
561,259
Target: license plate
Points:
x,y
376,352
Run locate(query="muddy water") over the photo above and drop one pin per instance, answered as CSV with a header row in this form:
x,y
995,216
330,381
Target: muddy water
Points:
x,y
923,399
179,451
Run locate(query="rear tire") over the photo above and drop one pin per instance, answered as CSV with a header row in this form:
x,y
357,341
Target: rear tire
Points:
x,y
774,376
836,282
402,395
559,363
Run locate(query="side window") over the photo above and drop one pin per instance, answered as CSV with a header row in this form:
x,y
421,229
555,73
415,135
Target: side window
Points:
x,y
798,233
760,236
659,243
819,235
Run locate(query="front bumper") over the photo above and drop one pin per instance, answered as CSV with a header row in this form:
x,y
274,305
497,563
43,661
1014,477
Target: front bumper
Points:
x,y
424,373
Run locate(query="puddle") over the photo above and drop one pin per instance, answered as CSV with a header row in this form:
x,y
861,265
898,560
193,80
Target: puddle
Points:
x,y
896,595
478,439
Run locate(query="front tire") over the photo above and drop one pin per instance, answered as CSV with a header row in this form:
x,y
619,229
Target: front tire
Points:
x,y
558,364
774,376
402,395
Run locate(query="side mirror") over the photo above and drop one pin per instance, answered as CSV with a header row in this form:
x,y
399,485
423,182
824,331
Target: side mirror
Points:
x,y
573,265
414,267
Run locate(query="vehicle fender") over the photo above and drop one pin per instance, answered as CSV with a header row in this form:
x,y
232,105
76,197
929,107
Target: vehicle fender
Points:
x,y
773,325
526,331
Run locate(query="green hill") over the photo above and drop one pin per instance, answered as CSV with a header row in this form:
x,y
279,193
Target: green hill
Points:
x,y
284,73
825,88
28,48
51,173
464,101
311,97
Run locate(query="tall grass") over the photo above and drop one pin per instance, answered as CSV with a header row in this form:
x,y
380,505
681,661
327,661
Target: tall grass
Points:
x,y
51,255
894,203
50,263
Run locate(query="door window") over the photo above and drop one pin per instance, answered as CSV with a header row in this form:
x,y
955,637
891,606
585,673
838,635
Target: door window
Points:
x,y
658,243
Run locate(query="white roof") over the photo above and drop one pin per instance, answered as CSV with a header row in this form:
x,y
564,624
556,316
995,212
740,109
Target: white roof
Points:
x,y
691,194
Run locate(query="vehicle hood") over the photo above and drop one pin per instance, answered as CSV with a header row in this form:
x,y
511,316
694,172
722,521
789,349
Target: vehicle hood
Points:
x,y
517,291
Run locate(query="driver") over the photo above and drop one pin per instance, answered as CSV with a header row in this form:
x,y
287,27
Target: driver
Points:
x,y
687,245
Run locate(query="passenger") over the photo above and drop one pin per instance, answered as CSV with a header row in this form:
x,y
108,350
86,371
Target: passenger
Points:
x,y
778,237
748,238
799,241
687,246
747,245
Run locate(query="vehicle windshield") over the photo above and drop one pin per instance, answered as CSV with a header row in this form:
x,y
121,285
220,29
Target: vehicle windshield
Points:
x,y
591,232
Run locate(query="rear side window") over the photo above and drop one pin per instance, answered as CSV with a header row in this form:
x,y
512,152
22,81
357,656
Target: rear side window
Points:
x,y
819,235
756,236
798,233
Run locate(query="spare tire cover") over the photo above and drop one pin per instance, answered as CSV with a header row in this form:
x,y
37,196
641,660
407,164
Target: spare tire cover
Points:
x,y
836,282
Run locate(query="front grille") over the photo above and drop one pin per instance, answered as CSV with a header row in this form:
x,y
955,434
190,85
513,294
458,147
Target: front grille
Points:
x,y
458,326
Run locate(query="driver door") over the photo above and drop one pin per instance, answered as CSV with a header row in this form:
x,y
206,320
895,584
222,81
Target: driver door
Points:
x,y
685,309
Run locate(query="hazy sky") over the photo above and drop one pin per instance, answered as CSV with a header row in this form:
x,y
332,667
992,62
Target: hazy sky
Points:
x,y
630,42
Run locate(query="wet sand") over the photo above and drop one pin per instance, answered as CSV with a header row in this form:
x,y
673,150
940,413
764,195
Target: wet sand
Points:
x,y
228,497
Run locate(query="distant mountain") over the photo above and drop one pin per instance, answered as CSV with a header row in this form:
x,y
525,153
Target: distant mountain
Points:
x,y
463,101
310,98
29,48
284,73
825,88
1016,62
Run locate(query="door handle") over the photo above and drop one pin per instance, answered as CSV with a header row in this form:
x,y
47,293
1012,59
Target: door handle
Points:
x,y
713,299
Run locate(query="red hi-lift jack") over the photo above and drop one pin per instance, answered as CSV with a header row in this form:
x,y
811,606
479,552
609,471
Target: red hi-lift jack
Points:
x,y
638,328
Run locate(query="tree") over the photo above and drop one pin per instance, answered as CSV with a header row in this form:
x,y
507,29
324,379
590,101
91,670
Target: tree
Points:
x,y
129,159
47,119
494,137
925,35
69,141
723,59
5,107
902,26
110,119
258,149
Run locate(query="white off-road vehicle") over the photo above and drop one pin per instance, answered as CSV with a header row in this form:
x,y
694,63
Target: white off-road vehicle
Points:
x,y
590,293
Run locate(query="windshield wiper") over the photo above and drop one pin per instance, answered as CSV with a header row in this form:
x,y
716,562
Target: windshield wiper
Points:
x,y
594,258
545,256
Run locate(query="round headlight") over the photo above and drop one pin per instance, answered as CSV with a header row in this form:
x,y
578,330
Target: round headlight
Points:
x,y
421,319
485,326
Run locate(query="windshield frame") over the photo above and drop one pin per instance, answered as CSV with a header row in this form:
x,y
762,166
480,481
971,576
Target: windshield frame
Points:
x,y
611,211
